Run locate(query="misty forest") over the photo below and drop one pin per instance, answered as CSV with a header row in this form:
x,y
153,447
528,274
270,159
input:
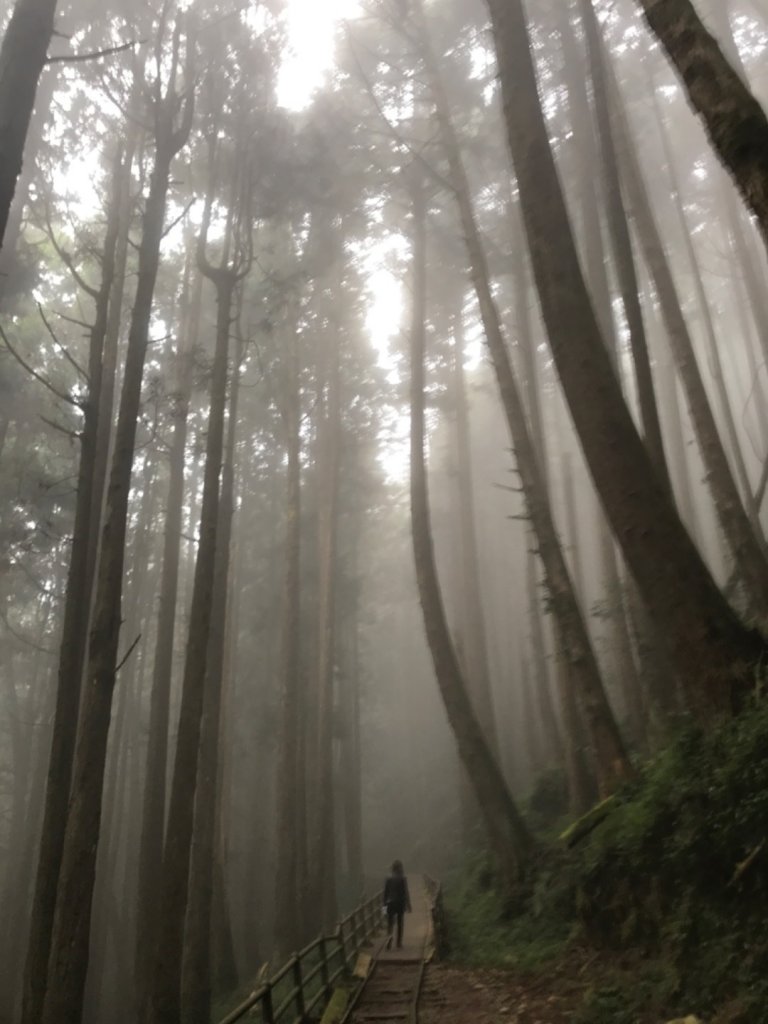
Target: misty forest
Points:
x,y
383,471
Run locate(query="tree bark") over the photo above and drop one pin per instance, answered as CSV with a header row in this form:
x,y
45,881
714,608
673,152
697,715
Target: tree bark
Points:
x,y
197,959
68,962
508,834
325,815
715,362
623,254
708,643
10,282
23,55
735,122
154,802
749,558
165,1000
73,645
290,767
612,762
473,616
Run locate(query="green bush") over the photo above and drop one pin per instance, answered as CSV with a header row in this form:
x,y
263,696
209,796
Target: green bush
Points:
x,y
676,875
679,868
484,930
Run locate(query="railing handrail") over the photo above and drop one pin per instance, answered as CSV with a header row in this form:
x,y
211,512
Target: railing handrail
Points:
x,y
437,914
363,922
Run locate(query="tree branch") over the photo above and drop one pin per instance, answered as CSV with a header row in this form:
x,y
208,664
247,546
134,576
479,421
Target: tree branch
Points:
x,y
128,653
70,358
38,377
79,58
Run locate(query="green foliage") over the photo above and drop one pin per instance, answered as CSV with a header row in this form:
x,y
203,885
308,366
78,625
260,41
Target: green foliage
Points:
x,y
670,889
483,931
547,804
662,873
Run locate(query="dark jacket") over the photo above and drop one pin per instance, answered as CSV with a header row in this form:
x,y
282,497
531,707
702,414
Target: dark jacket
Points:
x,y
396,896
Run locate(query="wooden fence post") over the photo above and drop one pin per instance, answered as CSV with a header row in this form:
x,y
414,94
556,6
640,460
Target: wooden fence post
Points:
x,y
267,1009
324,965
298,982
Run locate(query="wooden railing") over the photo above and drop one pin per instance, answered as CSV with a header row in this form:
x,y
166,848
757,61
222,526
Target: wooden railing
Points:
x,y
437,913
307,979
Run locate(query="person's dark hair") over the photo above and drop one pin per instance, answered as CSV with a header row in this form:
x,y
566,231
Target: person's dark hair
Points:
x,y
397,867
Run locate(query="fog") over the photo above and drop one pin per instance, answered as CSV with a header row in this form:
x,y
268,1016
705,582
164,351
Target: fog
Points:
x,y
221,714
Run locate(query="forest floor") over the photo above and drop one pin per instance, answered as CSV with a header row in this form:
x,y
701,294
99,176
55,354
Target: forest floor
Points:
x,y
454,994
465,995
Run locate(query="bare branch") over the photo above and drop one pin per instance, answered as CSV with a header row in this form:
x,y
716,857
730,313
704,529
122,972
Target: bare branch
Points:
x,y
66,258
70,358
71,434
79,58
21,638
73,320
128,653
180,218
38,377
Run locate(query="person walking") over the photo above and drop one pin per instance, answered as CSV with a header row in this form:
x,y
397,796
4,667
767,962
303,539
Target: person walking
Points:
x,y
396,901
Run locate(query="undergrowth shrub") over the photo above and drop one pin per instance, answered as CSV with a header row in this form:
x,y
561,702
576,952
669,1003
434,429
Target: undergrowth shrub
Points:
x,y
677,873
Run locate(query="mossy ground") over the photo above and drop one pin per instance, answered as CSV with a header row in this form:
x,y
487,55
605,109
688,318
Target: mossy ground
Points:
x,y
668,895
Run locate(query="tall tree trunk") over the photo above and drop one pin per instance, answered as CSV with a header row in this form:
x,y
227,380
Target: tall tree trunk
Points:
x,y
749,558
715,362
612,762
113,332
174,894
507,832
290,767
734,120
553,743
325,816
473,616
352,767
72,651
197,960
22,58
9,284
623,254
154,802
708,643
68,961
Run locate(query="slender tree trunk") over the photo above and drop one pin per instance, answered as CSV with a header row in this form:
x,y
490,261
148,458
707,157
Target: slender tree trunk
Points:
x,y
507,832
154,803
708,643
112,340
8,253
476,647
734,120
352,767
749,558
290,767
329,458
197,959
72,651
554,746
68,961
174,893
715,362
623,254
22,58
612,762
